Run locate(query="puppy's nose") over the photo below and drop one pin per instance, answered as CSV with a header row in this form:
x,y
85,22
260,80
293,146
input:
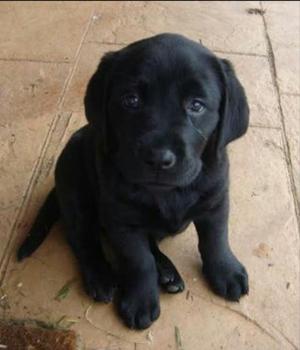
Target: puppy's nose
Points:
x,y
160,159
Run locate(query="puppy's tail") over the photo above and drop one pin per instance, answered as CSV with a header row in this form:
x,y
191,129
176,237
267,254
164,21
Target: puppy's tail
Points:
x,y
47,216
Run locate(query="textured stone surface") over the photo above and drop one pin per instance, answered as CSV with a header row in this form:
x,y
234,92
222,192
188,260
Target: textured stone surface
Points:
x,y
288,69
254,74
87,65
42,30
219,25
29,96
282,18
263,225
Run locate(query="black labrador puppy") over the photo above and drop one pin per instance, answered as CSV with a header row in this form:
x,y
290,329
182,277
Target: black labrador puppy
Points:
x,y
151,160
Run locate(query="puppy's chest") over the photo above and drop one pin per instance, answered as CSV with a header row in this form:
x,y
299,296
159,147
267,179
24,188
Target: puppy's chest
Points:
x,y
172,215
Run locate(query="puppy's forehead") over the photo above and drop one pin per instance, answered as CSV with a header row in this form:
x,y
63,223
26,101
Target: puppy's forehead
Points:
x,y
162,59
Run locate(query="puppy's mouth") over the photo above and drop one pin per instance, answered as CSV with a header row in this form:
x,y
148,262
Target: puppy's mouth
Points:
x,y
159,181
156,186
181,181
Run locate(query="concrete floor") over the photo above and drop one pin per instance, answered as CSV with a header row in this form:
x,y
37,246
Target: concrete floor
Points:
x,y
48,51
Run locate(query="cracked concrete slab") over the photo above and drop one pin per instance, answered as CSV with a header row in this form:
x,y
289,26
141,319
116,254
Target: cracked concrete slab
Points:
x,y
200,20
88,61
254,74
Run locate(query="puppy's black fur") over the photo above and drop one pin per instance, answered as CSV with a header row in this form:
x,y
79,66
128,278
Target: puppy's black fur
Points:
x,y
151,159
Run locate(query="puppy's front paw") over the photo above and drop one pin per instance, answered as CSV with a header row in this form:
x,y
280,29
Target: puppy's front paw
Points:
x,y
169,278
227,277
139,306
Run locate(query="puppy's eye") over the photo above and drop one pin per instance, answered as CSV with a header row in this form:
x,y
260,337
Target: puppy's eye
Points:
x,y
131,101
194,105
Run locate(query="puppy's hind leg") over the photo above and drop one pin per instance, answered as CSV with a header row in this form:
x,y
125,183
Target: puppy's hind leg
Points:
x,y
83,235
169,278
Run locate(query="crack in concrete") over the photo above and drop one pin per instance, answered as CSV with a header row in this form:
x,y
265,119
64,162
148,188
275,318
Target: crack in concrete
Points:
x,y
264,127
217,51
117,336
286,146
254,322
240,53
295,94
108,43
241,314
273,144
33,60
284,336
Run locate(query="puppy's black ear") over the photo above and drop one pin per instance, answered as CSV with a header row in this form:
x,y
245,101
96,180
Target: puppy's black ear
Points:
x,y
234,110
95,100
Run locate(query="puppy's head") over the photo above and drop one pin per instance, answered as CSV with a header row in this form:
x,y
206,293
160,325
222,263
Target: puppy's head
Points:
x,y
162,105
